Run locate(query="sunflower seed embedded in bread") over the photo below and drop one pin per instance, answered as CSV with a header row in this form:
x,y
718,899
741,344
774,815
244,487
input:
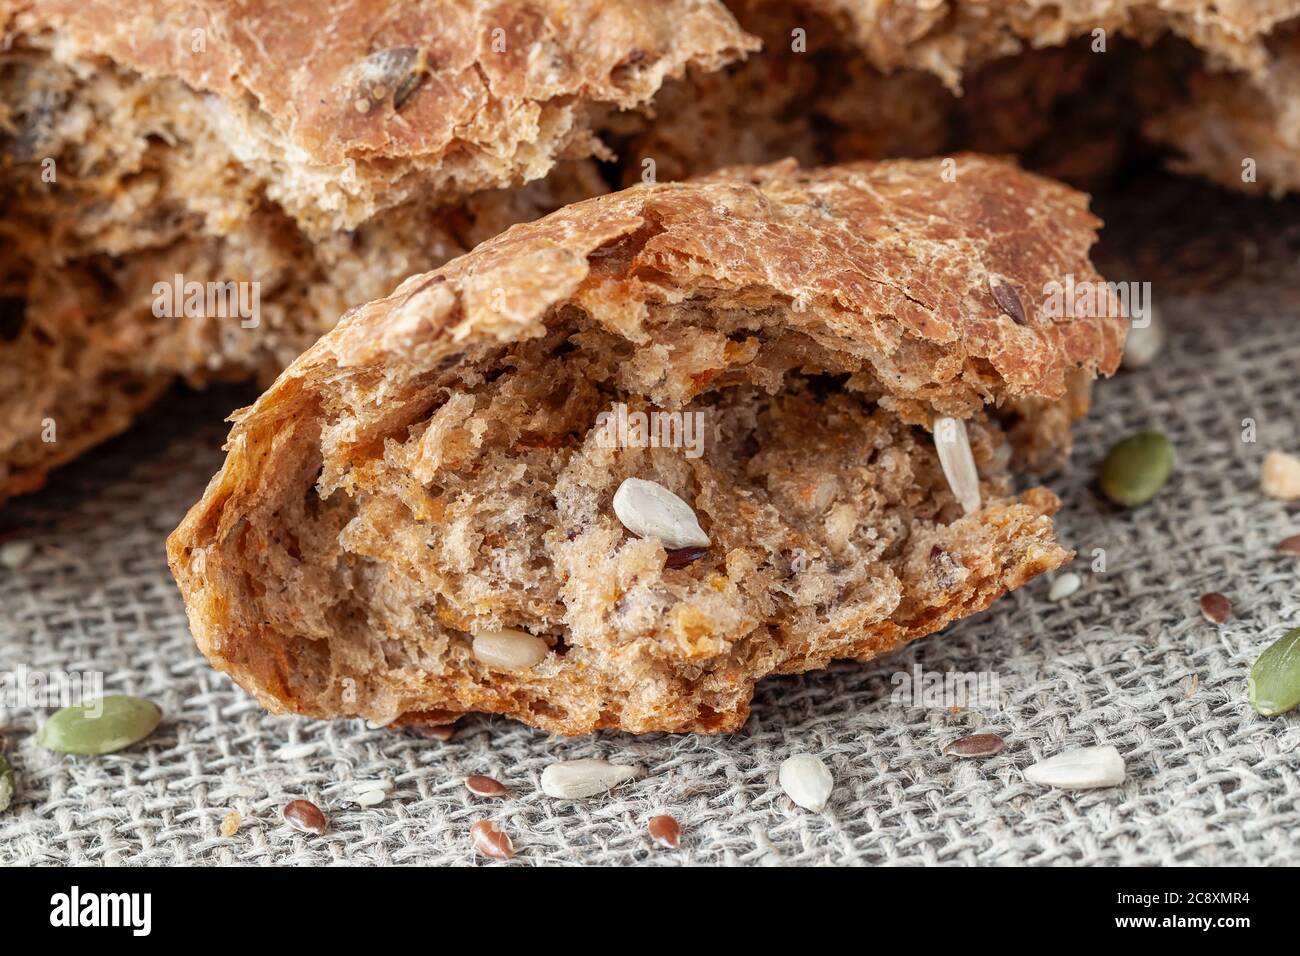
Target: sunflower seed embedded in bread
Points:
x,y
509,650
665,831
576,779
490,840
482,786
806,781
1084,768
649,510
1280,476
305,816
958,464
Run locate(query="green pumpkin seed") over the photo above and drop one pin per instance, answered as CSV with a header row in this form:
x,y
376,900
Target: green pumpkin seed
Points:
x,y
1274,682
6,784
1137,468
121,722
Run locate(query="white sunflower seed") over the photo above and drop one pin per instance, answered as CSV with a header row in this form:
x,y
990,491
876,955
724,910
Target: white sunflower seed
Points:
x,y
371,798
806,781
1064,586
576,779
1143,343
1085,768
509,650
1280,476
369,786
957,461
649,510
14,554
295,751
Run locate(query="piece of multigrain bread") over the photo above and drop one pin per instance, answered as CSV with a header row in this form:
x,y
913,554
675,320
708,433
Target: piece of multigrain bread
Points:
x,y
1074,89
318,153
435,467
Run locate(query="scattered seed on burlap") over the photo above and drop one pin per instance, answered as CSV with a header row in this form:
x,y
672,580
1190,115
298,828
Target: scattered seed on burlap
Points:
x,y
1279,476
101,726
1290,545
806,781
297,751
1216,607
1136,468
665,831
1064,586
230,823
482,786
1192,686
490,840
14,554
305,816
975,745
7,785
1084,768
578,779
1143,343
1274,682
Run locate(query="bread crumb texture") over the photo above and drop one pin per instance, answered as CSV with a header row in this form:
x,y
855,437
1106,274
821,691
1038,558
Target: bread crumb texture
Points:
x,y
432,469
224,143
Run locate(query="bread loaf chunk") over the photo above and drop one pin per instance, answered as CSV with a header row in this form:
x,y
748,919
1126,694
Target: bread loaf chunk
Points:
x,y
1075,90
305,156
422,517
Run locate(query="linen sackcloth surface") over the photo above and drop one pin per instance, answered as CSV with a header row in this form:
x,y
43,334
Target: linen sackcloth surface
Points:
x,y
1127,660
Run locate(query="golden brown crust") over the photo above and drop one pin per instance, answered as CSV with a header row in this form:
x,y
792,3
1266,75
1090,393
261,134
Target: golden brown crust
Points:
x,y
879,268
890,257
318,152
446,98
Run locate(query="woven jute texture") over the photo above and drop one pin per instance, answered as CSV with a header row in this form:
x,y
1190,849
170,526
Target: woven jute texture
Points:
x,y
1127,660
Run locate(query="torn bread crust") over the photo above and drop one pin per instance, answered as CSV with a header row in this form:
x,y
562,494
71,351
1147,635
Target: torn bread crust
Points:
x,y
347,108
431,469
223,143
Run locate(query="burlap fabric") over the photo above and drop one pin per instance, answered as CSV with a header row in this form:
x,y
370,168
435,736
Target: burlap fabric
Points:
x,y
1128,660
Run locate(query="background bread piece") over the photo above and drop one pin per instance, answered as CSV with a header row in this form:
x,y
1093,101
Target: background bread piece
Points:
x,y
429,469
1204,84
348,108
224,142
